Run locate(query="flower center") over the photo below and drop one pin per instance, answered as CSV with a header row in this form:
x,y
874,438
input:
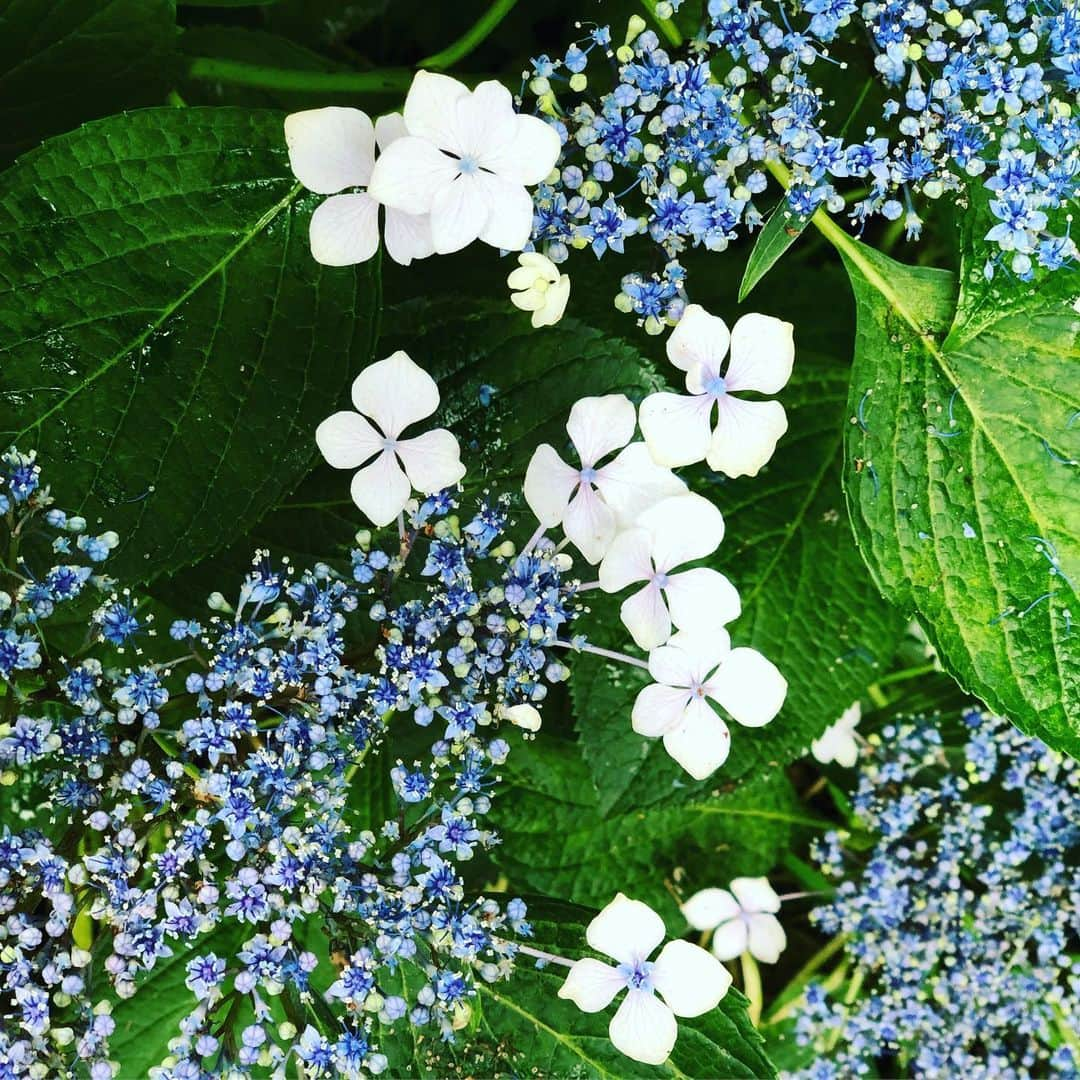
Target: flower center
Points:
x,y
660,579
468,165
389,444
638,975
715,386
587,475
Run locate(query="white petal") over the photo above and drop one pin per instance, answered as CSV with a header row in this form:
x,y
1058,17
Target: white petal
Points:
x,y
709,908
432,461
591,985
672,666
484,121
459,213
589,524
344,230
701,599
767,938
691,981
549,483
599,425
530,300
530,153
658,709
554,304
626,560
749,686
644,1028
762,354
431,108
676,427
699,338
684,528
389,128
632,483
646,617
407,236
381,490
395,393
701,743
626,930
410,173
745,436
730,939
524,277
837,743
330,149
509,213
755,894
704,650
347,440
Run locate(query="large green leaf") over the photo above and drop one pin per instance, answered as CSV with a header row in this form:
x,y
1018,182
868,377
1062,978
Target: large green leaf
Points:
x,y
66,61
168,343
556,838
961,475
535,1030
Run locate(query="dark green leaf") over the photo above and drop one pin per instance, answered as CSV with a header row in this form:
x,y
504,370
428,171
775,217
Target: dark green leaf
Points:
x,y
781,231
69,61
167,338
962,471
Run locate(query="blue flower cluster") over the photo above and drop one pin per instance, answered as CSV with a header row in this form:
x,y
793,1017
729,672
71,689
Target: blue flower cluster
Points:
x,y
682,147
961,920
202,807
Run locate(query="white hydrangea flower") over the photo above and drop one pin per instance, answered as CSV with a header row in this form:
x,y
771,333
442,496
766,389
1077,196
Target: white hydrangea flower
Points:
x,y
837,743
542,289
679,429
672,532
688,979
333,149
594,501
690,671
743,920
466,161
525,716
395,393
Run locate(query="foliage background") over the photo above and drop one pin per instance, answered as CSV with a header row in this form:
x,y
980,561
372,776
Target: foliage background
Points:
x,y
168,342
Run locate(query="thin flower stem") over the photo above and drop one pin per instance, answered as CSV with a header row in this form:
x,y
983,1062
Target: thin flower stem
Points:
x,y
800,895
534,539
472,37
551,958
260,76
607,654
906,674
586,586
751,985
791,996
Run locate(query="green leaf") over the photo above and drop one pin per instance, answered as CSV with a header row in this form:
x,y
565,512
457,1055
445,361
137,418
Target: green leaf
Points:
x,y
537,1031
556,840
781,231
78,60
961,476
167,338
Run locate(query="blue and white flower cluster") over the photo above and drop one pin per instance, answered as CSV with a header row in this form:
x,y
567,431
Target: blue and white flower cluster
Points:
x,y
960,921
682,147
203,804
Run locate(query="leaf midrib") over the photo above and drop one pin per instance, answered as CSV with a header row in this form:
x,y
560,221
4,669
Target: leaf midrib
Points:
x,y
167,313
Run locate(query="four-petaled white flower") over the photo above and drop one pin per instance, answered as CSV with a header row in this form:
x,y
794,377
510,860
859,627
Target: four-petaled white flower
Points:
x,y
690,671
837,743
672,532
395,393
594,501
743,920
333,149
465,161
689,980
542,289
679,429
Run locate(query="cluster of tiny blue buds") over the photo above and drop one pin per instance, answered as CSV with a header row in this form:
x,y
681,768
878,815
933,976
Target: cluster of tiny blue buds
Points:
x,y
192,795
959,922
978,103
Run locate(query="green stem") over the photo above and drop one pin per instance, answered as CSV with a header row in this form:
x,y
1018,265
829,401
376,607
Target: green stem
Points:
x,y
472,37
259,76
667,27
751,985
906,674
790,997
